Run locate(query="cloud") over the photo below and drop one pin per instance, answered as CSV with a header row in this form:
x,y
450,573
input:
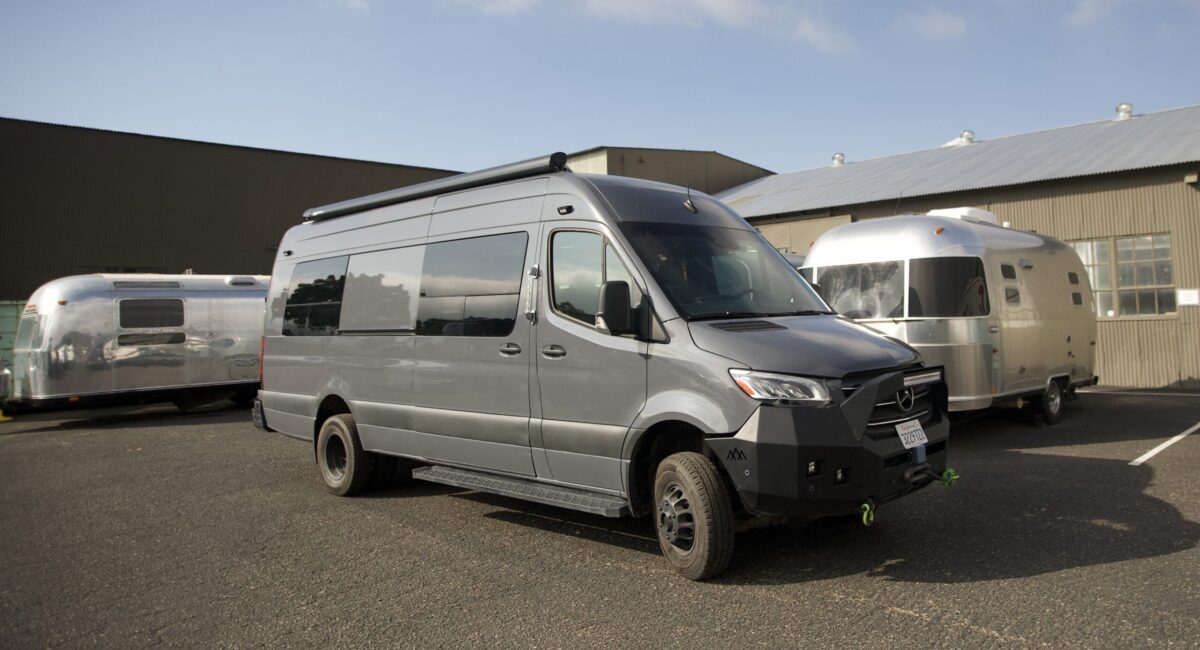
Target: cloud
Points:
x,y
933,24
778,18
358,5
1088,12
500,7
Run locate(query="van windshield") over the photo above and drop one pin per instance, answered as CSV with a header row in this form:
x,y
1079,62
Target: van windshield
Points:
x,y
712,272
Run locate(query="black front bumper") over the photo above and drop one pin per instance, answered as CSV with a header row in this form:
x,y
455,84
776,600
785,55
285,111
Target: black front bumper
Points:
x,y
768,460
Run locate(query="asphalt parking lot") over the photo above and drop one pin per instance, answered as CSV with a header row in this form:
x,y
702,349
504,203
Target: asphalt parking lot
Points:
x,y
152,527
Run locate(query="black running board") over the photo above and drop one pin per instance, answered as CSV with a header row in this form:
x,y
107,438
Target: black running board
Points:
x,y
553,495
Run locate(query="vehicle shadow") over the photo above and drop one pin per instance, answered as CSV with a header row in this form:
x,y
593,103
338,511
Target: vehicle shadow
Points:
x,y
1020,515
122,417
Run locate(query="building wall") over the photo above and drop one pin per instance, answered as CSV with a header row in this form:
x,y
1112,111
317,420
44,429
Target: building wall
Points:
x,y
76,200
1147,351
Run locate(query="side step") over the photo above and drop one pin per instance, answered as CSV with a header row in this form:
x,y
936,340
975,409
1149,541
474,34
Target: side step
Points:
x,y
554,495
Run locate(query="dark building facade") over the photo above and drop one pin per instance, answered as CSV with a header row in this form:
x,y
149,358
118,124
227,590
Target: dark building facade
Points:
x,y
78,200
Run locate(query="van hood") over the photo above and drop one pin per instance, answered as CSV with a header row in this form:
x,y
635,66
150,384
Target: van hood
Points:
x,y
819,346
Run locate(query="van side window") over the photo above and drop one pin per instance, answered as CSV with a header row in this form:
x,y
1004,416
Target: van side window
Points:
x,y
314,302
150,312
471,287
1012,296
1072,277
382,290
577,271
1008,272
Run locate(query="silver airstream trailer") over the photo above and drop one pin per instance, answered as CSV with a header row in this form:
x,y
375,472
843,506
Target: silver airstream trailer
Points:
x,y
1009,313
109,338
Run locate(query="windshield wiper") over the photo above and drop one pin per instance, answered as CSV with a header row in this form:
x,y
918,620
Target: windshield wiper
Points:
x,y
804,312
730,315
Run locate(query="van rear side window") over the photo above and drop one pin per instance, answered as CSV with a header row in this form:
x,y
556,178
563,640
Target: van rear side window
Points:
x,y
382,291
314,303
471,287
150,312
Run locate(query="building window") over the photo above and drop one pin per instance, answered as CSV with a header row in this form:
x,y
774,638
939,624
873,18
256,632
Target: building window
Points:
x,y
1130,276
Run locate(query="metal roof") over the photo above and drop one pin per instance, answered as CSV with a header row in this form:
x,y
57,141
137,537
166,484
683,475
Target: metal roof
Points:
x,y
1148,140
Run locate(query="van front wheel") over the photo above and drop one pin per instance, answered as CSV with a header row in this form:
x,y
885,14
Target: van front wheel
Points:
x,y
345,467
693,516
1050,404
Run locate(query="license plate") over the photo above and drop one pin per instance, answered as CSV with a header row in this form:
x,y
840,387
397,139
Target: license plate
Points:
x,y
911,434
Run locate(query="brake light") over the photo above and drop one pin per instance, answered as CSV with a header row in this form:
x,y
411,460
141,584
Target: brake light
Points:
x,y
262,352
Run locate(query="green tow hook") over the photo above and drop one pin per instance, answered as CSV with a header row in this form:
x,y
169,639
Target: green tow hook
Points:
x,y
868,513
949,477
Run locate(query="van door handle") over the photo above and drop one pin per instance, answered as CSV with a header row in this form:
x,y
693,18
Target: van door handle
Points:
x,y
510,350
554,352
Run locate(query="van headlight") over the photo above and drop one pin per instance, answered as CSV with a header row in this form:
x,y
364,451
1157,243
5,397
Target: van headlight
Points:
x,y
788,390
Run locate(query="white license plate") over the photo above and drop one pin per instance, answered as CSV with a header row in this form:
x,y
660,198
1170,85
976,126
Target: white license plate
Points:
x,y
911,434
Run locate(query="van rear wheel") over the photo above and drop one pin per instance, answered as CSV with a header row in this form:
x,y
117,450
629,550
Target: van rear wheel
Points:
x,y
345,467
693,516
1051,403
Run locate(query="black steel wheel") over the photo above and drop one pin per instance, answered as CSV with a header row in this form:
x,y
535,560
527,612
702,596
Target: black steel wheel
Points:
x,y
693,516
345,467
1050,404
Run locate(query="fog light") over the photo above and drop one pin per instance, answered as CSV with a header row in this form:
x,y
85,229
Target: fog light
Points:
x,y
813,467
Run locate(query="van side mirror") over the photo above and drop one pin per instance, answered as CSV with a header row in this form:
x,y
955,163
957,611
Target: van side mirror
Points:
x,y
615,316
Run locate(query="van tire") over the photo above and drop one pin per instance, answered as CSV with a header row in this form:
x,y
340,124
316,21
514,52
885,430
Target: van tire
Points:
x,y
1050,404
691,500
345,468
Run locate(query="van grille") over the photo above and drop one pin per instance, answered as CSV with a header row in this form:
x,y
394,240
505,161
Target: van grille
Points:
x,y
888,411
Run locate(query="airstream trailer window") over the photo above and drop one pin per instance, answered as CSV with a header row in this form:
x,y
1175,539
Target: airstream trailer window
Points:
x,y
947,287
864,290
1076,298
1008,272
314,303
714,272
382,290
137,313
470,287
29,333
1072,277
151,338
1012,296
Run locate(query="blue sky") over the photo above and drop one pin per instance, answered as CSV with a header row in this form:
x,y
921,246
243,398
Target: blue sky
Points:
x,y
465,84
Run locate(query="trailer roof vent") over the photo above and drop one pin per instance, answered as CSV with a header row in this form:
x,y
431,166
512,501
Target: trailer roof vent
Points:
x,y
239,281
1124,111
967,214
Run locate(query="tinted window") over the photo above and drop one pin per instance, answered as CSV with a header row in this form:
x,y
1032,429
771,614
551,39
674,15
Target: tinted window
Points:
x,y
151,338
314,303
947,287
470,287
1077,298
382,290
1008,272
1072,277
151,312
1012,296
864,290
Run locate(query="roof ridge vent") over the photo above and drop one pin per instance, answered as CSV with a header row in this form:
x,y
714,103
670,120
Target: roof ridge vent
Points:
x,y
1124,111
965,137
839,159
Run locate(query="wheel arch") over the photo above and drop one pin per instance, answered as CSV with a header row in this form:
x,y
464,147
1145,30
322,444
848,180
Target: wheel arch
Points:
x,y
646,451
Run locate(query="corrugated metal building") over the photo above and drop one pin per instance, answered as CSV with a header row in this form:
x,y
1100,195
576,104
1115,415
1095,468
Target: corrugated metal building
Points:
x,y
1125,191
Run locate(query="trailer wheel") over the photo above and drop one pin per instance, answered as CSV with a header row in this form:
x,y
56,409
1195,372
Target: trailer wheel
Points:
x,y
1051,403
693,516
345,467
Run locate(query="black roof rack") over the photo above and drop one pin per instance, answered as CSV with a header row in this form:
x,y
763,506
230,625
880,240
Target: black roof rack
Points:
x,y
555,162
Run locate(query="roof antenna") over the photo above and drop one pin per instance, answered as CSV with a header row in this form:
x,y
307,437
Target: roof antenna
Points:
x,y
688,203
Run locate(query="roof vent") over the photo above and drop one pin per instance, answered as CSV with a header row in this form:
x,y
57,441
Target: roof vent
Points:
x,y
239,281
965,137
839,159
967,214
1124,111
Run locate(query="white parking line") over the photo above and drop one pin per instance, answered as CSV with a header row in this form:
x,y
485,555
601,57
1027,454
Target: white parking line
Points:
x,y
1142,393
1150,454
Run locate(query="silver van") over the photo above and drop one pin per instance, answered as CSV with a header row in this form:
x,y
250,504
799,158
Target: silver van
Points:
x,y
1007,313
105,338
610,345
